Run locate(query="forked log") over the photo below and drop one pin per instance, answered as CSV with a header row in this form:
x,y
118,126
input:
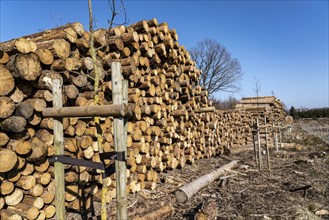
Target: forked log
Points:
x,y
186,192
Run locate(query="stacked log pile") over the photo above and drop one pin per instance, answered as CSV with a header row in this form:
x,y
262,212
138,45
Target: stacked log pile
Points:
x,y
165,132
264,106
235,128
269,110
173,121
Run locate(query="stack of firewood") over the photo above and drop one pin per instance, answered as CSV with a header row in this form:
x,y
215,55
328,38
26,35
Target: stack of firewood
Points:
x,y
173,121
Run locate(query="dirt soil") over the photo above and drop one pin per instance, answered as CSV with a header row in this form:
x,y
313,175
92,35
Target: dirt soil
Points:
x,y
296,187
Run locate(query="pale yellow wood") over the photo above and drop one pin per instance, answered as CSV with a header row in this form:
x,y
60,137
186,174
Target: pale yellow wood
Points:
x,y
59,150
120,144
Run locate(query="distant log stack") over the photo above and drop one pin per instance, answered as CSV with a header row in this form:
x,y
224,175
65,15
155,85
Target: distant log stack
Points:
x,y
269,110
173,120
265,106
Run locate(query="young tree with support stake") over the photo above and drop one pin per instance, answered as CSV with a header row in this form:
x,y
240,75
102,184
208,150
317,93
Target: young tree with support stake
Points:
x,y
96,91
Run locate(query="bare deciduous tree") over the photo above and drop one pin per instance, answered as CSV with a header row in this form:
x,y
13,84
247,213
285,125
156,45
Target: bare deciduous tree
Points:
x,y
220,72
257,88
115,12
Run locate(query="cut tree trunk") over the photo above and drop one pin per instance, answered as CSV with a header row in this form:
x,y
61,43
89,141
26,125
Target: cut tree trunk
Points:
x,y
7,107
15,197
25,66
24,110
9,215
7,82
45,56
14,124
8,160
186,192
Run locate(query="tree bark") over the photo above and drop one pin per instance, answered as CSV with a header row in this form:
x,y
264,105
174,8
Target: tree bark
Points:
x,y
14,124
24,110
186,192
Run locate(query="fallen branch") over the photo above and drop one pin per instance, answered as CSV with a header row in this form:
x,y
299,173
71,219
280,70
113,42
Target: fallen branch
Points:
x,y
186,192
300,188
161,213
233,171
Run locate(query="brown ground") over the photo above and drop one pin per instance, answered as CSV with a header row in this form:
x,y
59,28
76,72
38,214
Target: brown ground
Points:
x,y
297,187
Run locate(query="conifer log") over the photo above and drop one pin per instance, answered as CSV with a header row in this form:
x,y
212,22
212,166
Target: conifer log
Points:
x,y
20,45
6,187
34,201
7,107
186,192
8,160
27,211
25,66
39,150
7,82
24,110
4,57
10,215
3,139
60,48
15,197
14,124
2,204
45,56
26,182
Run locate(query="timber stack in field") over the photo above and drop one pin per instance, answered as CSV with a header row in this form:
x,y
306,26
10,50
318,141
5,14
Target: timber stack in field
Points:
x,y
265,106
166,131
269,110
173,121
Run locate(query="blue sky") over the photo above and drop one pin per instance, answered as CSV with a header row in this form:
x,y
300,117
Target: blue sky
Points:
x,y
284,44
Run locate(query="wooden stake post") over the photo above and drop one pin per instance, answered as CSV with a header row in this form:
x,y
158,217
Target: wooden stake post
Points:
x,y
267,148
59,150
120,144
254,145
259,146
119,111
258,150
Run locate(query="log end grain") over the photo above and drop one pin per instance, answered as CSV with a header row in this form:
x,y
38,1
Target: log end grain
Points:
x,y
7,82
8,160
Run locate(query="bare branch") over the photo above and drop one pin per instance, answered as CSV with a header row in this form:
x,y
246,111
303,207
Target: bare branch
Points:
x,y
115,12
257,86
220,72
